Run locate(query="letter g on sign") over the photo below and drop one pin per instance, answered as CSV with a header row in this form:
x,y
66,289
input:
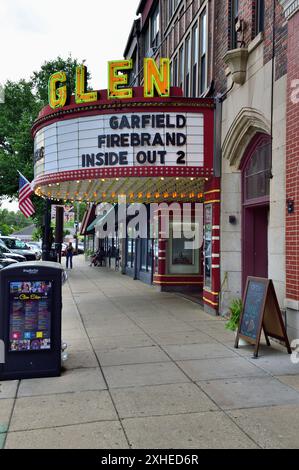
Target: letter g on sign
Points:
x,y
295,353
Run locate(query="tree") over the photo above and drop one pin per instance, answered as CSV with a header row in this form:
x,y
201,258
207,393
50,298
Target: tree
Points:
x,y
40,79
12,221
23,101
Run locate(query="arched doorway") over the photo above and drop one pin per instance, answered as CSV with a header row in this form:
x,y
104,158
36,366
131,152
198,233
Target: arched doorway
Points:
x,y
256,171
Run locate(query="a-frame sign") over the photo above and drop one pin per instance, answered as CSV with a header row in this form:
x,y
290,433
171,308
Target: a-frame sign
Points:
x,y
261,312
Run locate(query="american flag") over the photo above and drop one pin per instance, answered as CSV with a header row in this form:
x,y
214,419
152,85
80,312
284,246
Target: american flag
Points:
x,y
25,190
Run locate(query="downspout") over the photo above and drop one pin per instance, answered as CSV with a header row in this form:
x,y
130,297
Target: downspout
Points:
x,y
272,83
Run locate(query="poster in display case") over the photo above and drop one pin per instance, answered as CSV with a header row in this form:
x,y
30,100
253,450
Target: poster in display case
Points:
x,y
30,307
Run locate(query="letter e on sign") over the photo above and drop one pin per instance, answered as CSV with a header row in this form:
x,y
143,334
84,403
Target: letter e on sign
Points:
x,y
155,78
115,79
57,95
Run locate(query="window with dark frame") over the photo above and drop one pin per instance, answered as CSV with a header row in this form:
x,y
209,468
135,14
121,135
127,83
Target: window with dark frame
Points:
x,y
155,28
203,52
259,16
234,19
181,67
175,71
194,46
187,66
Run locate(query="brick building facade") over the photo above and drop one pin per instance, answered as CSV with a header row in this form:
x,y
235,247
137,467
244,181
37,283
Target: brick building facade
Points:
x,y
243,53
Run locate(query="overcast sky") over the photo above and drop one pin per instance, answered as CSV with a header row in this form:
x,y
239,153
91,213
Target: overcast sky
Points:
x,y
33,31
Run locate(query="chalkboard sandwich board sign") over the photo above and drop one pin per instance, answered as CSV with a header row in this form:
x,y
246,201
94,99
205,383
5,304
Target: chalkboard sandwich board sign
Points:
x,y
261,312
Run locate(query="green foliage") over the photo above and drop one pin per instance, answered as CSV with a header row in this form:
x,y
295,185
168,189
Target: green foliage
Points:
x,y
235,308
12,221
23,101
40,79
37,234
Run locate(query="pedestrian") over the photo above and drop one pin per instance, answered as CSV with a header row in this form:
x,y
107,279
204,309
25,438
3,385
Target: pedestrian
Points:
x,y
69,255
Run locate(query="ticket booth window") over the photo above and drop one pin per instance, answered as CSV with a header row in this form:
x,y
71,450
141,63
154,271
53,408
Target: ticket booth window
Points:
x,y
181,258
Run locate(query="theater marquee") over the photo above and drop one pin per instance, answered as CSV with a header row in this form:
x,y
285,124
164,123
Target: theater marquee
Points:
x,y
148,148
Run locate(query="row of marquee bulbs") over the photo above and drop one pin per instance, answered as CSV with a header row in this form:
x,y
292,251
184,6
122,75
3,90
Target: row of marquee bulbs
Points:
x,y
140,195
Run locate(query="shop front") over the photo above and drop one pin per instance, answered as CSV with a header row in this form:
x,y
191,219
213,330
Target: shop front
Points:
x,y
148,151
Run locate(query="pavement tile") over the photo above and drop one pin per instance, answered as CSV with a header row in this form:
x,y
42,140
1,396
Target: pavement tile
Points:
x,y
101,435
249,392
60,410
161,400
8,389
211,430
120,356
219,368
121,341
6,407
183,352
186,337
143,374
278,363
291,380
80,359
2,440
275,427
70,381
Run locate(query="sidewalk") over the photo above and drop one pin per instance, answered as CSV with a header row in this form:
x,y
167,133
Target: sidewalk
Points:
x,y
150,370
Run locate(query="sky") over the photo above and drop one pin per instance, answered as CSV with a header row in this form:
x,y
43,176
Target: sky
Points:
x,y
34,31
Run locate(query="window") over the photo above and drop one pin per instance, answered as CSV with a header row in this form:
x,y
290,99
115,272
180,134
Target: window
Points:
x,y
234,19
146,253
181,67
175,71
147,42
170,8
187,66
203,52
259,16
131,252
155,28
257,182
194,60
182,259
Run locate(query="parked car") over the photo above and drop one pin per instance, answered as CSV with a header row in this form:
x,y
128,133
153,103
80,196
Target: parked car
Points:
x,y
80,248
19,247
6,253
35,247
7,261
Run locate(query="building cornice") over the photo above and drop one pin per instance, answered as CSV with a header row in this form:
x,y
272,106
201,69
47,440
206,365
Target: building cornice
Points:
x,y
290,7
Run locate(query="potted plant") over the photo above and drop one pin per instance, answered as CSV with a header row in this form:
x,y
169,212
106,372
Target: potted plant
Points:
x,y
232,324
235,309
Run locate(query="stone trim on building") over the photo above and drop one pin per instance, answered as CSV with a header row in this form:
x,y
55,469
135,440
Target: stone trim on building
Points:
x,y
290,7
247,123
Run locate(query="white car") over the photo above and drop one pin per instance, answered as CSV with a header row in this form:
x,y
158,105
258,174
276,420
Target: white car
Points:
x,y
36,248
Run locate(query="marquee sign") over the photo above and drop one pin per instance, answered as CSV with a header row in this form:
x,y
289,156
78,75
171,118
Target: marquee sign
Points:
x,y
143,147
121,140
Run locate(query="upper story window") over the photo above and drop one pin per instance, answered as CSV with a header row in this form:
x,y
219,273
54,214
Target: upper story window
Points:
x,y
147,42
181,67
203,52
187,66
175,71
155,28
190,56
234,19
194,46
259,16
